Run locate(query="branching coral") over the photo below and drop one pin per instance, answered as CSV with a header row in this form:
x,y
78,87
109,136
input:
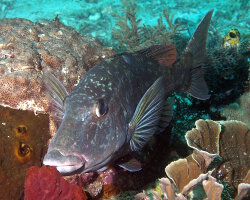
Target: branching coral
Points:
x,y
133,36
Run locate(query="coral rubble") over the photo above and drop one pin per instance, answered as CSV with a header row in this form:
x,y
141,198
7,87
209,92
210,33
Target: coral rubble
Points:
x,y
23,143
47,183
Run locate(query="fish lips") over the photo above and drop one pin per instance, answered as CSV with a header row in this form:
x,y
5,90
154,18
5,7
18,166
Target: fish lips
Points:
x,y
65,164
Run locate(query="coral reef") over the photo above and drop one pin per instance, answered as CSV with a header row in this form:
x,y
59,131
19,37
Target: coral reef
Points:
x,y
220,150
227,139
27,48
166,191
23,143
226,73
239,110
132,36
47,183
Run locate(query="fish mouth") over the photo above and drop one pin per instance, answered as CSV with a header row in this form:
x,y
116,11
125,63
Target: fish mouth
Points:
x,y
64,163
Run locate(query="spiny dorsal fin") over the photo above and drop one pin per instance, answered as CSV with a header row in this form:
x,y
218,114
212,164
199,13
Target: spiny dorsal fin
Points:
x,y
195,55
164,54
56,93
147,115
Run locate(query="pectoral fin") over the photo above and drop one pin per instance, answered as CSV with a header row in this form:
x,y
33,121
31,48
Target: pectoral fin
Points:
x,y
147,115
132,165
56,93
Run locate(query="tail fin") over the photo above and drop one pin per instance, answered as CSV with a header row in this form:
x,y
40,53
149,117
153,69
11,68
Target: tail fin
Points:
x,y
197,48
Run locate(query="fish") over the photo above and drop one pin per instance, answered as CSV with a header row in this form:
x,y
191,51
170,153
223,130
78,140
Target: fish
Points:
x,y
121,102
232,39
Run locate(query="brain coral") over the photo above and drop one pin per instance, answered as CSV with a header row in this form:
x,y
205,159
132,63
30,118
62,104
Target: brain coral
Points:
x,y
27,48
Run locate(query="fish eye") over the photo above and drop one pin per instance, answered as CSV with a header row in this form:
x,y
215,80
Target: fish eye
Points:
x,y
232,35
101,108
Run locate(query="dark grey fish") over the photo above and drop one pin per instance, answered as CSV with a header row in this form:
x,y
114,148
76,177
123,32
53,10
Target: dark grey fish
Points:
x,y
121,102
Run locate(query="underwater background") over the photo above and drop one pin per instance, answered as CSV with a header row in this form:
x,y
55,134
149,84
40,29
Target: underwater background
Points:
x,y
69,38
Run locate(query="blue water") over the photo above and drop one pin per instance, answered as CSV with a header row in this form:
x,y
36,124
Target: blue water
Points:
x,y
94,17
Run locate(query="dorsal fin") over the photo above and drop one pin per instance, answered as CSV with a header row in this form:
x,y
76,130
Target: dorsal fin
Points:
x,y
165,55
197,43
195,55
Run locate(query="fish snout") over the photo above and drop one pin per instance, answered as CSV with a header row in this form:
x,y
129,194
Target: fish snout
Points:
x,y
63,163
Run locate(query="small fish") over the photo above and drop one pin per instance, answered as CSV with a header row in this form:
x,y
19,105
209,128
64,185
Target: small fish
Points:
x,y
232,39
121,102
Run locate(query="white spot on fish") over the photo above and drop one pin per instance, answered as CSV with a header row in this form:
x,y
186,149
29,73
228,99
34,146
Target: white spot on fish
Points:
x,y
126,59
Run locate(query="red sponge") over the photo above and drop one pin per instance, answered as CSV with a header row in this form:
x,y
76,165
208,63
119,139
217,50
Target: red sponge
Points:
x,y
47,183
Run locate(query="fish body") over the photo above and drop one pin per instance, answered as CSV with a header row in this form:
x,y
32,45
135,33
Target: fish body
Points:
x,y
121,102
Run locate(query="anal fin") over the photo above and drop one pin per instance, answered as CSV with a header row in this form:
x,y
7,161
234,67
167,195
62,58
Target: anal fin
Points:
x,y
132,165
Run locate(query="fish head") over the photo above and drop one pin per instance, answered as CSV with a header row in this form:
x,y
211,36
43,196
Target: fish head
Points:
x,y
89,136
